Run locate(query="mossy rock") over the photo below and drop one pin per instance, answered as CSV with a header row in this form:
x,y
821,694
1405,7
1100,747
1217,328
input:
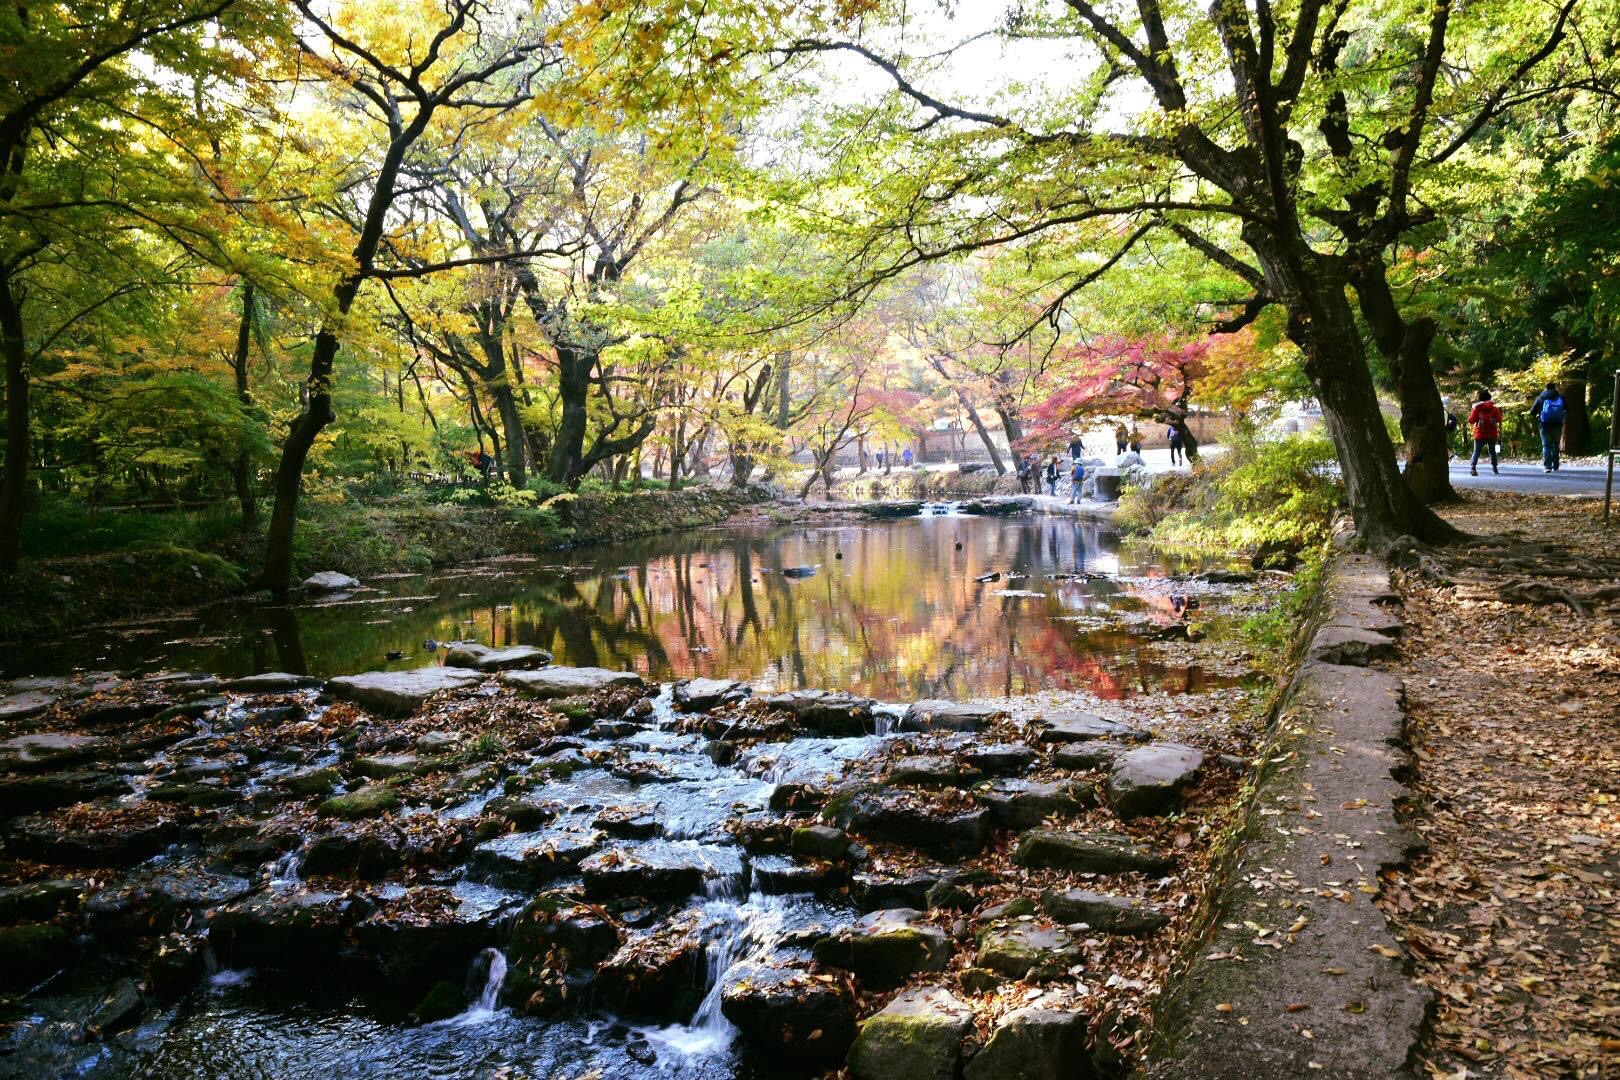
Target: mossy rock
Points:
x,y
443,1001
367,802
918,1036
199,795
312,782
30,953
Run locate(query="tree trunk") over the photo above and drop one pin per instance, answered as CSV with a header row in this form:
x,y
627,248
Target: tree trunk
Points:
x,y
512,425
573,390
242,471
1405,348
984,434
1011,426
1189,441
277,574
14,487
1577,421
676,452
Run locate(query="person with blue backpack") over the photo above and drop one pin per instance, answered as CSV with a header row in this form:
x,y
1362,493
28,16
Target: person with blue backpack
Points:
x,y
1077,479
1549,411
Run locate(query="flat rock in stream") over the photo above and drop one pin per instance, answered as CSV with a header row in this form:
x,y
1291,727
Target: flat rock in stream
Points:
x,y
701,695
284,928
562,682
1092,853
400,693
49,791
330,581
529,860
885,948
784,1012
656,974
270,682
1103,912
917,1036
483,658
658,869
948,716
1069,727
825,712
1149,780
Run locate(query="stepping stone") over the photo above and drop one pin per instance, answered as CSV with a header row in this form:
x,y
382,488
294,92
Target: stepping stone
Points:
x,y
400,693
1149,780
1000,759
47,749
1092,853
948,716
1087,756
886,948
942,832
22,705
657,870
529,860
287,928
1068,727
382,766
1103,912
1024,804
1042,1041
784,1012
874,891
917,1036
701,695
483,658
1027,950
559,682
778,875
932,770
270,682
819,842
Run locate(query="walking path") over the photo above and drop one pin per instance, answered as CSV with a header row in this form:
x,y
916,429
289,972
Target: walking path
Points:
x,y
1585,481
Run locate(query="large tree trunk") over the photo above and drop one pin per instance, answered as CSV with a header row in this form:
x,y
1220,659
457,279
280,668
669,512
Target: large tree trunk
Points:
x,y
277,575
517,441
1577,421
1405,348
14,488
1189,441
242,470
573,390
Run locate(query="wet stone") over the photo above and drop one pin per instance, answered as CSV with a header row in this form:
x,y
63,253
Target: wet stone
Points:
x,y
820,842
948,716
483,658
152,898
119,1008
825,712
917,1036
22,705
1027,950
49,791
329,581
658,869
701,695
425,934
528,860
885,948
271,682
199,795
31,952
116,843
1024,804
355,852
932,770
1149,780
39,899
1094,853
310,782
47,750
629,822
783,1011
366,802
943,832
656,974
1103,912
400,693
778,875
383,766
562,682
1069,727
283,929
874,891
1000,759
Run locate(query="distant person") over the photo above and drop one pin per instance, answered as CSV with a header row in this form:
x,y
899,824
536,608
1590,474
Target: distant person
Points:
x,y
1486,420
905,457
1549,411
1077,479
1077,448
1052,476
1136,438
1173,435
1122,438
1026,471
880,456
1451,431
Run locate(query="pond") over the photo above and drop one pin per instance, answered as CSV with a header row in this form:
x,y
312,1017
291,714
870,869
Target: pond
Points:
x,y
895,610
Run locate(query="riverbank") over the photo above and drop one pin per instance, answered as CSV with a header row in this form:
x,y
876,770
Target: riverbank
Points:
x,y
57,595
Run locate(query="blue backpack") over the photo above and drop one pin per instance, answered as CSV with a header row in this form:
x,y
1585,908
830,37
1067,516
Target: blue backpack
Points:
x,y
1079,472
1552,411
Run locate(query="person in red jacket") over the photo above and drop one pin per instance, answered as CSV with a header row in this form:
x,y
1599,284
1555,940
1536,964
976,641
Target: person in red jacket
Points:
x,y
1486,419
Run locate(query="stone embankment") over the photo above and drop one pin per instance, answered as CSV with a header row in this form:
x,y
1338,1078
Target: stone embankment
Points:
x,y
1301,973
907,890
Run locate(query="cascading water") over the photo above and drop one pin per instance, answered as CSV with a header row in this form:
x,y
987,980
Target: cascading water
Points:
x,y
284,871
489,997
941,509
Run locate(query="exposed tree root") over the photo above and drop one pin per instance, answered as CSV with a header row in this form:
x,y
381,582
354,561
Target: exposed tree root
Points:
x,y
1477,567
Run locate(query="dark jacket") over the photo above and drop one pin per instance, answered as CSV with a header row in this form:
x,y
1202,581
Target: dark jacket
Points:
x,y
1542,399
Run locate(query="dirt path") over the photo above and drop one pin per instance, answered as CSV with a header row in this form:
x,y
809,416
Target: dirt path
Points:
x,y
1512,914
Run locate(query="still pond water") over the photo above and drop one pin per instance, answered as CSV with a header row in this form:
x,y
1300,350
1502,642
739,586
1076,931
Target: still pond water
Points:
x,y
893,610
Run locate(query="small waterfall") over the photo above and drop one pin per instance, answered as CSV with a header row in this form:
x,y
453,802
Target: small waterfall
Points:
x,y
284,871
941,509
885,716
490,996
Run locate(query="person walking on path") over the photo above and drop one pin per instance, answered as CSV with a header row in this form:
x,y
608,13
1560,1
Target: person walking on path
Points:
x,y
1077,479
1026,470
1173,434
1549,411
905,457
1052,476
1486,419
1122,437
1077,447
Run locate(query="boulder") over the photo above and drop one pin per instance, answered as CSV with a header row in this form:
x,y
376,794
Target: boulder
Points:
x,y
424,934
400,693
784,1012
330,581
1042,1041
917,1036
31,952
896,889
701,695
483,658
561,682
1069,727
656,974
48,750
1092,853
528,860
819,842
270,682
1150,779
932,770
1028,950
948,716
824,712
367,802
943,832
886,948
1024,804
284,929
1103,912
